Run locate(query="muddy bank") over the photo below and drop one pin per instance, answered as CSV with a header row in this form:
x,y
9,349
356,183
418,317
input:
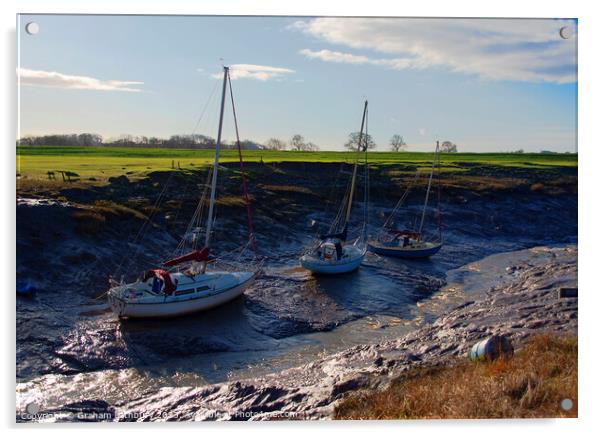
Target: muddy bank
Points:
x,y
527,301
516,294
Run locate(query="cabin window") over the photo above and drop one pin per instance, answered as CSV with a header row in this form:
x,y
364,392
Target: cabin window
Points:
x,y
203,288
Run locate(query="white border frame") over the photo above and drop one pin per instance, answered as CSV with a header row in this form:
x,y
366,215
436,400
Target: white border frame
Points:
x,y
590,159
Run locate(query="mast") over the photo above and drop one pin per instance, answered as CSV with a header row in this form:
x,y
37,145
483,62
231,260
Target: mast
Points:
x,y
439,217
216,162
428,190
366,182
359,147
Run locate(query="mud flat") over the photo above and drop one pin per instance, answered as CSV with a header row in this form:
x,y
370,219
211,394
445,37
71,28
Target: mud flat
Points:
x,y
516,294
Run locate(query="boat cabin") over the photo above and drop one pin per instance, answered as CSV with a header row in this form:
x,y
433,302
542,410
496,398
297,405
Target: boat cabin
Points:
x,y
330,250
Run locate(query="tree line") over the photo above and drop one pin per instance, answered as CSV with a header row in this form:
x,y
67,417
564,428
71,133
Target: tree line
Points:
x,y
197,141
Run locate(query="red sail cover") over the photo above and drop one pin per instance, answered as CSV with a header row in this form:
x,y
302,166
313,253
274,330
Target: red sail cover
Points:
x,y
195,255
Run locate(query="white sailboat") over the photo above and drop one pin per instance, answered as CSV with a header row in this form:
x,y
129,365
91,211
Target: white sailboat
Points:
x,y
333,253
193,285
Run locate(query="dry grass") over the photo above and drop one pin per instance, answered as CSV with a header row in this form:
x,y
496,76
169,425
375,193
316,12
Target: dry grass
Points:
x,y
108,207
92,219
531,384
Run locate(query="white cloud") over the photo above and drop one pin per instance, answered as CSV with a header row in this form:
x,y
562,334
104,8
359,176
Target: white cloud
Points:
x,y
498,49
348,58
54,79
257,72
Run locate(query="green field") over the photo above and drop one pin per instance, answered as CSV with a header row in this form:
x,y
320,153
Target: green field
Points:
x,y
100,163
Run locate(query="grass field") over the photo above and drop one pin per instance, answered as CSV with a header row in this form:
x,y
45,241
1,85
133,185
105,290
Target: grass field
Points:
x,y
100,163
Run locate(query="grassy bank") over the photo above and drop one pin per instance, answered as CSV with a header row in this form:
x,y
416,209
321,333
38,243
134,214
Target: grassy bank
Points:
x,y
100,163
531,384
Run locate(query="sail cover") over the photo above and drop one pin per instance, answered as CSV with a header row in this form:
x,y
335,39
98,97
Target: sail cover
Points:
x,y
195,255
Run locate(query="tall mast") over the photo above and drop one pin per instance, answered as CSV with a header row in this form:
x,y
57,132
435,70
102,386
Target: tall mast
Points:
x,y
357,155
216,162
439,217
428,190
366,181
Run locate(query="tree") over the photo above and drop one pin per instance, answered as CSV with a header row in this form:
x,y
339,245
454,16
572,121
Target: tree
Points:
x,y
448,147
249,145
311,147
397,143
275,144
297,142
354,138
87,139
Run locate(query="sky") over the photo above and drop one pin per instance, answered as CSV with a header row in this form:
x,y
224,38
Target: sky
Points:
x,y
487,85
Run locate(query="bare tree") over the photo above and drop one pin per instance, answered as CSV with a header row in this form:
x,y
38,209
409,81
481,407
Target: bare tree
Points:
x,y
448,147
354,138
311,147
397,143
297,142
275,144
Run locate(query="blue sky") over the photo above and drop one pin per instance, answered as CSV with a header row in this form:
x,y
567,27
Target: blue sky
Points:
x,y
486,85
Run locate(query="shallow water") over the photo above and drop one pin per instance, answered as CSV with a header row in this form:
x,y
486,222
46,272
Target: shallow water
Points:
x,y
71,347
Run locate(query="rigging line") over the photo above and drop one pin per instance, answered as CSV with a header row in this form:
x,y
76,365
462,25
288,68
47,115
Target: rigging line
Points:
x,y
115,267
182,244
341,211
195,221
243,174
326,202
142,230
204,109
400,201
330,199
428,189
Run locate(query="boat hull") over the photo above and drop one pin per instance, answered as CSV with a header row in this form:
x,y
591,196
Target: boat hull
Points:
x,y
176,308
332,268
404,252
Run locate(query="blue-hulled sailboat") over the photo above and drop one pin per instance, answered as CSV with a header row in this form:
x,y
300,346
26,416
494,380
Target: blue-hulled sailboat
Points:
x,y
408,243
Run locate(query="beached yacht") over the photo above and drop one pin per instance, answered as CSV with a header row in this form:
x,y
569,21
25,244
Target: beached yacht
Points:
x,y
408,243
333,253
189,282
